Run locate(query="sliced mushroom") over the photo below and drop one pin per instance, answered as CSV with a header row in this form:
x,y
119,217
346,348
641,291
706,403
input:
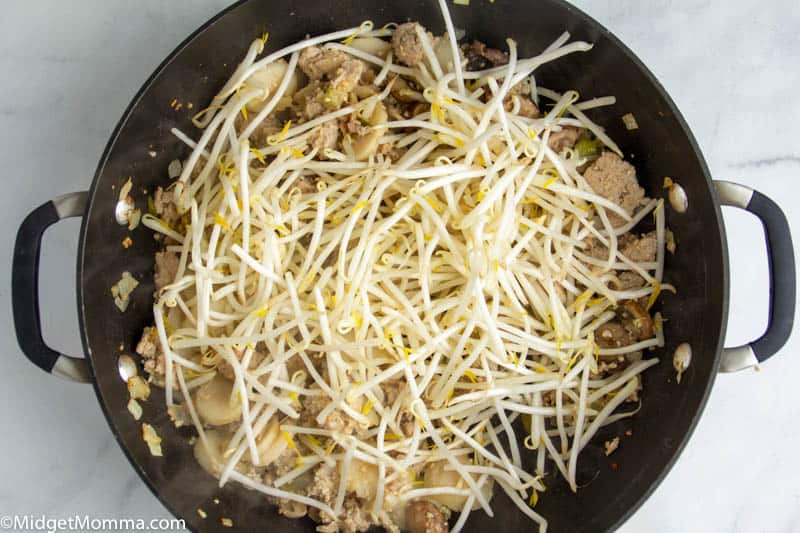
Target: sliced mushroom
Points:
x,y
270,445
372,45
214,404
403,92
362,479
211,458
441,474
364,91
637,320
367,145
379,115
612,335
269,78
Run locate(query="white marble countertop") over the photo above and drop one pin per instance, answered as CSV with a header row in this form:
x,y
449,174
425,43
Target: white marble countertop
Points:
x,y
70,68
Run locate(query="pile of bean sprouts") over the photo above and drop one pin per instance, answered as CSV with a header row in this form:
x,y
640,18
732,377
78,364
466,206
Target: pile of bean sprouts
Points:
x,y
460,269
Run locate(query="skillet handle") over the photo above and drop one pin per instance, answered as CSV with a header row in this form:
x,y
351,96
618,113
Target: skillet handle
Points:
x,y
25,287
782,278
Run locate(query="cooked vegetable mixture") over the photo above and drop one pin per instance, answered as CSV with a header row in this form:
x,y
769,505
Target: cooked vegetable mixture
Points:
x,y
393,266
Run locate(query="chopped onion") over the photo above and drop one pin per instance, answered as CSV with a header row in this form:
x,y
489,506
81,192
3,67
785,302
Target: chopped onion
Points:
x,y
152,439
630,121
138,388
179,415
122,290
174,169
135,409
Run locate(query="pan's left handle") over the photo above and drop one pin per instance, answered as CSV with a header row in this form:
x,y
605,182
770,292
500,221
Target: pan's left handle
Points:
x,y
25,287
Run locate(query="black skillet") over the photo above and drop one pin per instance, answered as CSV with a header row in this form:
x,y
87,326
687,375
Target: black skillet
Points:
x,y
662,146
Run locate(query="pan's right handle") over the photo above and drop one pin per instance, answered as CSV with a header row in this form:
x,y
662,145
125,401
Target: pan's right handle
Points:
x,y
782,278
25,287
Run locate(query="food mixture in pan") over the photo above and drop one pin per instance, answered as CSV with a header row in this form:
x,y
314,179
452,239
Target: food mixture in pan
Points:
x,y
394,266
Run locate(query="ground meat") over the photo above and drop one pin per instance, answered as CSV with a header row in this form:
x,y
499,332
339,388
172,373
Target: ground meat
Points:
x,y
527,108
385,521
354,518
474,61
615,179
407,45
424,517
269,126
392,389
310,100
313,109
256,473
164,203
325,486
166,268
391,151
316,62
640,249
549,398
629,280
594,248
340,422
324,137
285,463
347,76
407,421
150,350
312,407
481,57
367,77
306,184
226,370
523,87
294,364
566,137
520,92
292,509
335,421
354,126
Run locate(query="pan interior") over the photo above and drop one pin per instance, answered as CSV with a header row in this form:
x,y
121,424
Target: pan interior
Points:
x,y
662,146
